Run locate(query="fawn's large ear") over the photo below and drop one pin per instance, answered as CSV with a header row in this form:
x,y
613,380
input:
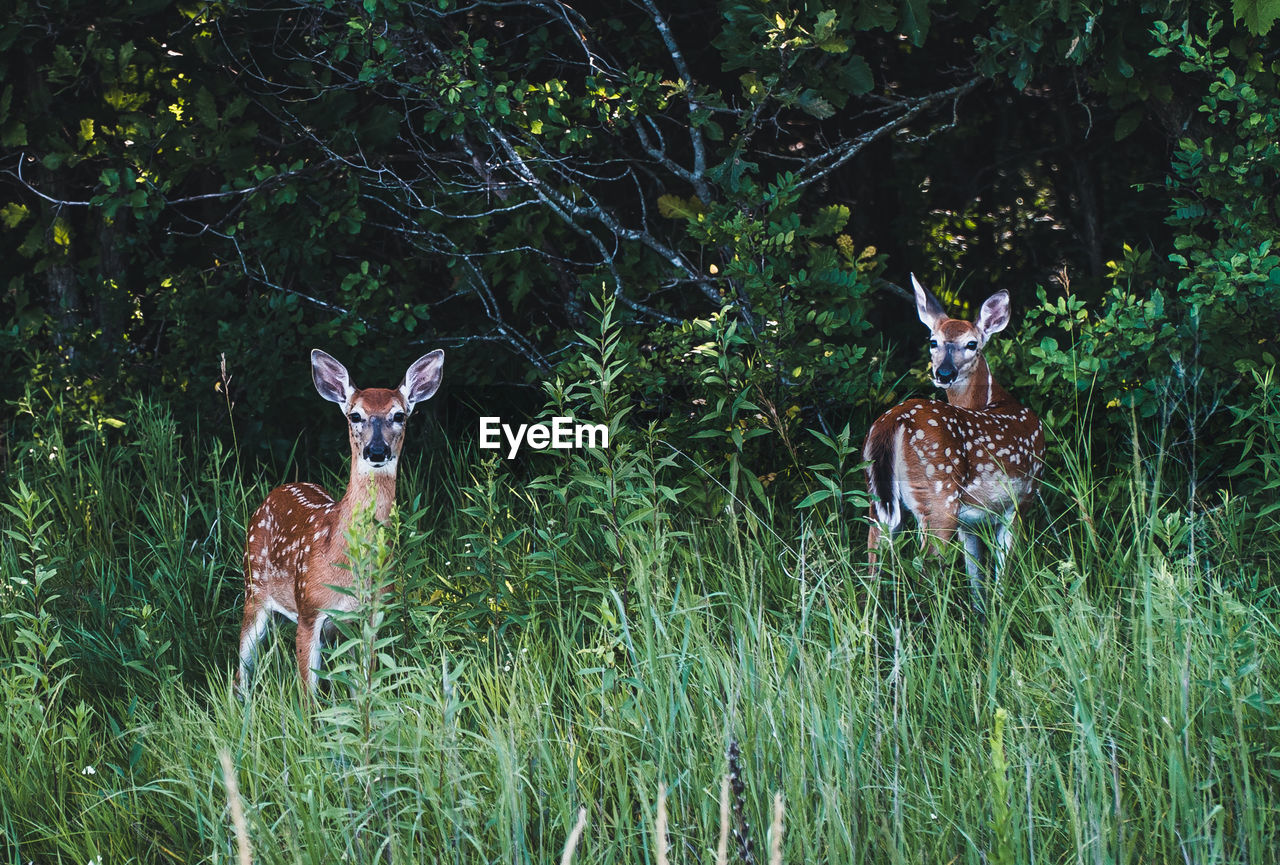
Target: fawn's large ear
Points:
x,y
994,315
927,306
331,378
423,378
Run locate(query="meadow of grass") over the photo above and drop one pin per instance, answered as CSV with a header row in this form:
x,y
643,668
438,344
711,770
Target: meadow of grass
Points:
x,y
583,640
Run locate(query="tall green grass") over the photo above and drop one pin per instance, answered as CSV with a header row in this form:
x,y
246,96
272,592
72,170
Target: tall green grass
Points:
x,y
512,682
581,640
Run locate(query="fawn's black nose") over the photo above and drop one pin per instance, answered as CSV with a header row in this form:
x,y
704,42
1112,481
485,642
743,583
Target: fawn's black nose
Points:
x,y
377,450
945,374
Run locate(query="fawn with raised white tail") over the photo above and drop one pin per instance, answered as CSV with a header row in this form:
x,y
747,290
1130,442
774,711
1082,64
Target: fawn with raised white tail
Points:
x,y
296,542
964,465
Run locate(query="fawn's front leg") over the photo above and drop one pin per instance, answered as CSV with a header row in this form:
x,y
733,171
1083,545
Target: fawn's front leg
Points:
x,y
310,627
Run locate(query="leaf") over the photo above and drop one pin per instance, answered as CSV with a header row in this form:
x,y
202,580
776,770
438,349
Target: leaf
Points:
x,y
206,108
813,498
13,134
751,85
815,106
1126,123
856,76
1257,16
915,20
12,214
826,24
1190,211
675,207
831,219
61,233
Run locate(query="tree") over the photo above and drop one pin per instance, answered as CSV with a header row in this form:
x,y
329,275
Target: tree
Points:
x,y
749,181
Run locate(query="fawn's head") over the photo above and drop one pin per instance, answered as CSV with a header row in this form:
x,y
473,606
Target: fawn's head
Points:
x,y
376,415
954,344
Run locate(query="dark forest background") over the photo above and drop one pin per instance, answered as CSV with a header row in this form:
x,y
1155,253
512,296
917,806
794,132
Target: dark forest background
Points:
x,y
195,194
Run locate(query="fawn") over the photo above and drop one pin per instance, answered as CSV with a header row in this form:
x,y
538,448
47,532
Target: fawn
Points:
x,y
296,542
969,463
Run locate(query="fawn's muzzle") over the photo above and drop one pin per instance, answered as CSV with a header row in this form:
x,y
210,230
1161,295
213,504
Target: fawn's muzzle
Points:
x,y
945,373
377,450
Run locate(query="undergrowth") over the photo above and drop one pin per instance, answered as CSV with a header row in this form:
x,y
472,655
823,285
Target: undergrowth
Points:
x,y
570,640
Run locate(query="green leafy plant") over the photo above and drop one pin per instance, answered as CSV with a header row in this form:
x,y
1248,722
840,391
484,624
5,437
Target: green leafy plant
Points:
x,y
841,488
29,620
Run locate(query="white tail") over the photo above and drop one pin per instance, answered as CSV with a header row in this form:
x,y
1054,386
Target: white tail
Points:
x,y
959,465
297,539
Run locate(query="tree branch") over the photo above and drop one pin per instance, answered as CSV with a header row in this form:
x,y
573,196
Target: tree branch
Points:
x,y
696,140
822,166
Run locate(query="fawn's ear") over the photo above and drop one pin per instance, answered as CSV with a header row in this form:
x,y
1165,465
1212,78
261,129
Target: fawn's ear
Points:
x,y
994,315
927,306
422,379
331,378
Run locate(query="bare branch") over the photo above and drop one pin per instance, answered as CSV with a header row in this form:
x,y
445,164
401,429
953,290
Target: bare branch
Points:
x,y
821,166
58,201
169,202
696,140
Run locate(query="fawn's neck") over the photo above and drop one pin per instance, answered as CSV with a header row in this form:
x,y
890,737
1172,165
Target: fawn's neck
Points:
x,y
980,390
364,485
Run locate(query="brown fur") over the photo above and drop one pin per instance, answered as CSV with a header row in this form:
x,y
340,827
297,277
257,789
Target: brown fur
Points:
x,y
296,542
956,464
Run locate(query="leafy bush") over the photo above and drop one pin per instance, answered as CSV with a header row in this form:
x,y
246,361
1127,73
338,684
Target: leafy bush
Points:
x,y
1114,705
1166,356
1190,334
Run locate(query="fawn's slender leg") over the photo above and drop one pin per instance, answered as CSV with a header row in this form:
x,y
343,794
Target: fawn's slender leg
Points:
x,y
973,565
873,543
1006,534
256,619
308,645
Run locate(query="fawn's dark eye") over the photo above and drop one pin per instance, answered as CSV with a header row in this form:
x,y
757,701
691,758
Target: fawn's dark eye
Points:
x,y
973,345
933,343
398,417
355,417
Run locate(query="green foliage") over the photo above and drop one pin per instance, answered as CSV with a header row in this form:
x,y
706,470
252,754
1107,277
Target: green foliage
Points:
x,y
200,181
1223,208
839,487
619,486
1257,16
487,599
29,623
1257,428
365,735
1171,344
147,562
805,282
1004,845
1115,705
